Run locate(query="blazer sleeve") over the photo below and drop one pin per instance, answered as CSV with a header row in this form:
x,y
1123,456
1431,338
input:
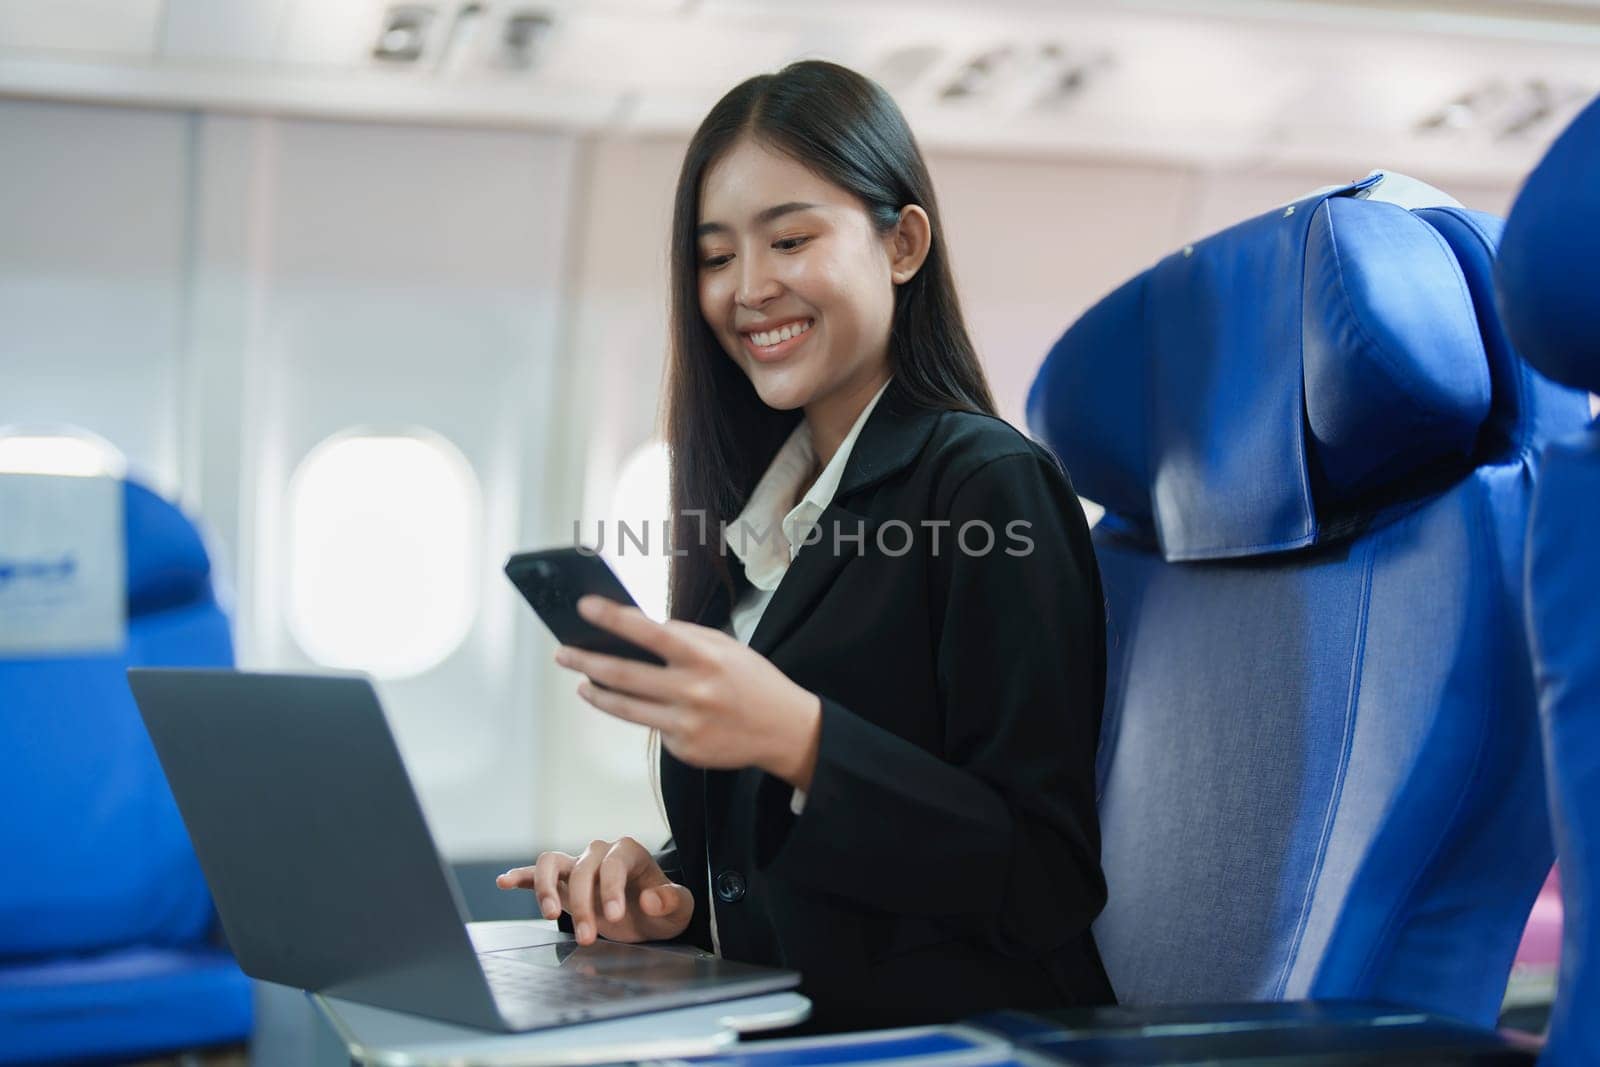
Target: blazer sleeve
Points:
x,y
698,932
1000,835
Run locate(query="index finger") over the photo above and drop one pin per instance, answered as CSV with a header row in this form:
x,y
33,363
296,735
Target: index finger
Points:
x,y
544,878
548,872
636,626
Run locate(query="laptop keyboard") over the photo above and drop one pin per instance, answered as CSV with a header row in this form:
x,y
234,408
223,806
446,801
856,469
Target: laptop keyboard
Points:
x,y
551,988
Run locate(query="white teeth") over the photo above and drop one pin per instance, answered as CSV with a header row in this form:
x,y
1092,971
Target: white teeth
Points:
x,y
768,338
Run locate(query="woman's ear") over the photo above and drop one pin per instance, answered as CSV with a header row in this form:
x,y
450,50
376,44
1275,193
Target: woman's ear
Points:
x,y
908,243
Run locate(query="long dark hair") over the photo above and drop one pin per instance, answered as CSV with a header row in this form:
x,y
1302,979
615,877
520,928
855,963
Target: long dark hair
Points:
x,y
721,436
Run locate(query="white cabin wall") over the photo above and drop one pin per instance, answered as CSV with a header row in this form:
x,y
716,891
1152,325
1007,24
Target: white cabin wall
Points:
x,y
1035,243
93,246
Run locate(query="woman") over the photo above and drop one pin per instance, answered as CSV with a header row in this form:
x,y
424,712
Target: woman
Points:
x,y
885,663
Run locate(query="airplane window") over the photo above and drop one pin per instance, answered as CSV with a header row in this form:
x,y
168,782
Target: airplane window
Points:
x,y
384,552
642,500
65,451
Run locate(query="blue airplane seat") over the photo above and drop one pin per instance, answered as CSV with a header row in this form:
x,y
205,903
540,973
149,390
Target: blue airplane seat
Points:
x,y
1319,764
108,944
1549,285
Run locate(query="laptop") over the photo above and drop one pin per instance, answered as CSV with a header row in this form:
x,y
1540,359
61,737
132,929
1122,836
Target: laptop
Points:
x,y
326,878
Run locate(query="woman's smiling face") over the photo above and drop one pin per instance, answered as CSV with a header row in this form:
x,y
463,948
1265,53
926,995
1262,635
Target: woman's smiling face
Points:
x,y
795,282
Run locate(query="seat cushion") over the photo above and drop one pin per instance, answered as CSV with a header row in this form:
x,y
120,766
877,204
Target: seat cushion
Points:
x,y
127,1004
107,860
1322,778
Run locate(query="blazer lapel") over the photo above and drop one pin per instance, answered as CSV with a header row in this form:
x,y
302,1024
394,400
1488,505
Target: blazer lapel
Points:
x,y
812,572
891,438
893,435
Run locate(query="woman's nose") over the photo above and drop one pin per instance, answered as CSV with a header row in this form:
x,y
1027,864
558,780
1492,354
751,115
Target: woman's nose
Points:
x,y
757,286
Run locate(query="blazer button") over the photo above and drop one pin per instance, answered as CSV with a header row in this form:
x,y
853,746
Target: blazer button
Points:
x,y
730,887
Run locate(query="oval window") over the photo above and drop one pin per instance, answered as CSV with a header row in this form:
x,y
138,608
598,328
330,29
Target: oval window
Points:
x,y
642,500
384,550
67,451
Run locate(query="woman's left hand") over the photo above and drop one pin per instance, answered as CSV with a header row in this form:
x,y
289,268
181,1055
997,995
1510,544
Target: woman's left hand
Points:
x,y
718,704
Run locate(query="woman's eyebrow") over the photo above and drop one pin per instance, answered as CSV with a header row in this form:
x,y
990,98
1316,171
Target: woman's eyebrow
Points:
x,y
764,216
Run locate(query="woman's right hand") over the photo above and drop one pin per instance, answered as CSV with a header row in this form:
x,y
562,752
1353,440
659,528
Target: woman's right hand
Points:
x,y
613,890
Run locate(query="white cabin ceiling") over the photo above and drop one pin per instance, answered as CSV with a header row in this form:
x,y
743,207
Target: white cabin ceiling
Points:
x,y
1472,87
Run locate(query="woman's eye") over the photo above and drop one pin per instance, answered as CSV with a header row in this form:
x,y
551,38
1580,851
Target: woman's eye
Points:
x,y
713,262
789,244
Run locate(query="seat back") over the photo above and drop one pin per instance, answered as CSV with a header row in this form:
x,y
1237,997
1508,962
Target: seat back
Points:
x,y
1549,281
96,855
1319,771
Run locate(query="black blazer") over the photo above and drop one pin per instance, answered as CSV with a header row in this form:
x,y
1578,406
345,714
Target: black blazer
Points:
x,y
947,860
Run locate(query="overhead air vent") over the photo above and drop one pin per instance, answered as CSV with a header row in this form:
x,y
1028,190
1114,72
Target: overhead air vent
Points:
x,y
521,38
903,68
981,75
1042,76
455,39
1504,110
404,34
1064,74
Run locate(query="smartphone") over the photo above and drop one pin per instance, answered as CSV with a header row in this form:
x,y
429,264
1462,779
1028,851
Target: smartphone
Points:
x,y
553,579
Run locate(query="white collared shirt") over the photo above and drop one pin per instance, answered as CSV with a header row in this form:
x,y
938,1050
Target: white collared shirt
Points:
x,y
765,536
766,539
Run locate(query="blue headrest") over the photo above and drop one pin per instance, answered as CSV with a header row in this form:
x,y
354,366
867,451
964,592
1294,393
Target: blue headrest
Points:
x,y
1292,366
167,563
1548,273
